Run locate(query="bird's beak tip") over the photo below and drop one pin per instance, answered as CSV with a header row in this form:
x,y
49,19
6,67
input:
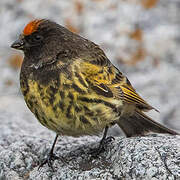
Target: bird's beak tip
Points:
x,y
18,44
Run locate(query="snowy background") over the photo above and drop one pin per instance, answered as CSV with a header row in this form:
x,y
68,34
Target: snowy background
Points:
x,y
141,37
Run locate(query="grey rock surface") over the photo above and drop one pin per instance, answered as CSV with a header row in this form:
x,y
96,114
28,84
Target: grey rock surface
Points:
x,y
151,157
24,143
128,31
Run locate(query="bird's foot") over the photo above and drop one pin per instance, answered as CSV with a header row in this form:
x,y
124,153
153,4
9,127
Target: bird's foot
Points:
x,y
49,159
102,146
108,140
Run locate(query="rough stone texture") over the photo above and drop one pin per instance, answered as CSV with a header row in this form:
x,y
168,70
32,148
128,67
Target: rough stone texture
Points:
x,y
151,157
141,37
24,143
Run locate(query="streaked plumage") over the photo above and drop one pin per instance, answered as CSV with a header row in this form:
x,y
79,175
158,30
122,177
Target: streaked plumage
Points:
x,y
72,87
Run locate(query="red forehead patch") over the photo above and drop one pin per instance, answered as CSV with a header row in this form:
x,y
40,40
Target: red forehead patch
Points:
x,y
32,26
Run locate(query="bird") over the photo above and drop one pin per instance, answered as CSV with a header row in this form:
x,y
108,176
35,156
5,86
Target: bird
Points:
x,y
73,89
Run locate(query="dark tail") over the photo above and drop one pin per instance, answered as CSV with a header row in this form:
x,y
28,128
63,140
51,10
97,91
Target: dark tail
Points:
x,y
139,124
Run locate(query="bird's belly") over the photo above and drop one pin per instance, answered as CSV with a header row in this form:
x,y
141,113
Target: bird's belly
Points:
x,y
61,111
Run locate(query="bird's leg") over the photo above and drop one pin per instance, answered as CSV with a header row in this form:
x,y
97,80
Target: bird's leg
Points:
x,y
50,157
103,142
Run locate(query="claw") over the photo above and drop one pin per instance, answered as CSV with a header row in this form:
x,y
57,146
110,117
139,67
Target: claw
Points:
x,y
108,140
51,157
102,146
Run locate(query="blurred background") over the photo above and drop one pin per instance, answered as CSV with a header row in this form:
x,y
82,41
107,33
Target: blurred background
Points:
x,y
141,37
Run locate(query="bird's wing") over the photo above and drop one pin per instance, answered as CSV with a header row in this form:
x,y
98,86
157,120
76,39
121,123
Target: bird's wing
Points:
x,y
106,80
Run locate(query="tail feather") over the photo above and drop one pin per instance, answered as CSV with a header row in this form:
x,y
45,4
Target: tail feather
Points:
x,y
141,124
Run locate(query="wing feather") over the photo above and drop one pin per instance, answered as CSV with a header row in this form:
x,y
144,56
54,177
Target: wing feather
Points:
x,y
106,80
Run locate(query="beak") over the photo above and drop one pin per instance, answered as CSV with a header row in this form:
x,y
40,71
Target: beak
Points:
x,y
18,44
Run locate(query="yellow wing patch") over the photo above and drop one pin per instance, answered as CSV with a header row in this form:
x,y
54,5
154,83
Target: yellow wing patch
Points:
x,y
131,96
109,82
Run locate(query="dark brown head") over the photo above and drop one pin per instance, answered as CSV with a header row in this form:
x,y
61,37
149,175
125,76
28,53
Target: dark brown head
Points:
x,y
39,33
44,41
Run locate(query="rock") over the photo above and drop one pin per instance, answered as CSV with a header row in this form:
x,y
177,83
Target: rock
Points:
x,y
24,143
150,157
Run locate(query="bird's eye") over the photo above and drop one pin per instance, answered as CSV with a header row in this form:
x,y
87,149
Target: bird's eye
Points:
x,y
37,38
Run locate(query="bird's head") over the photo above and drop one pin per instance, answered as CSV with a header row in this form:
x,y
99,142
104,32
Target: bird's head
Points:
x,y
44,41
46,35
35,34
